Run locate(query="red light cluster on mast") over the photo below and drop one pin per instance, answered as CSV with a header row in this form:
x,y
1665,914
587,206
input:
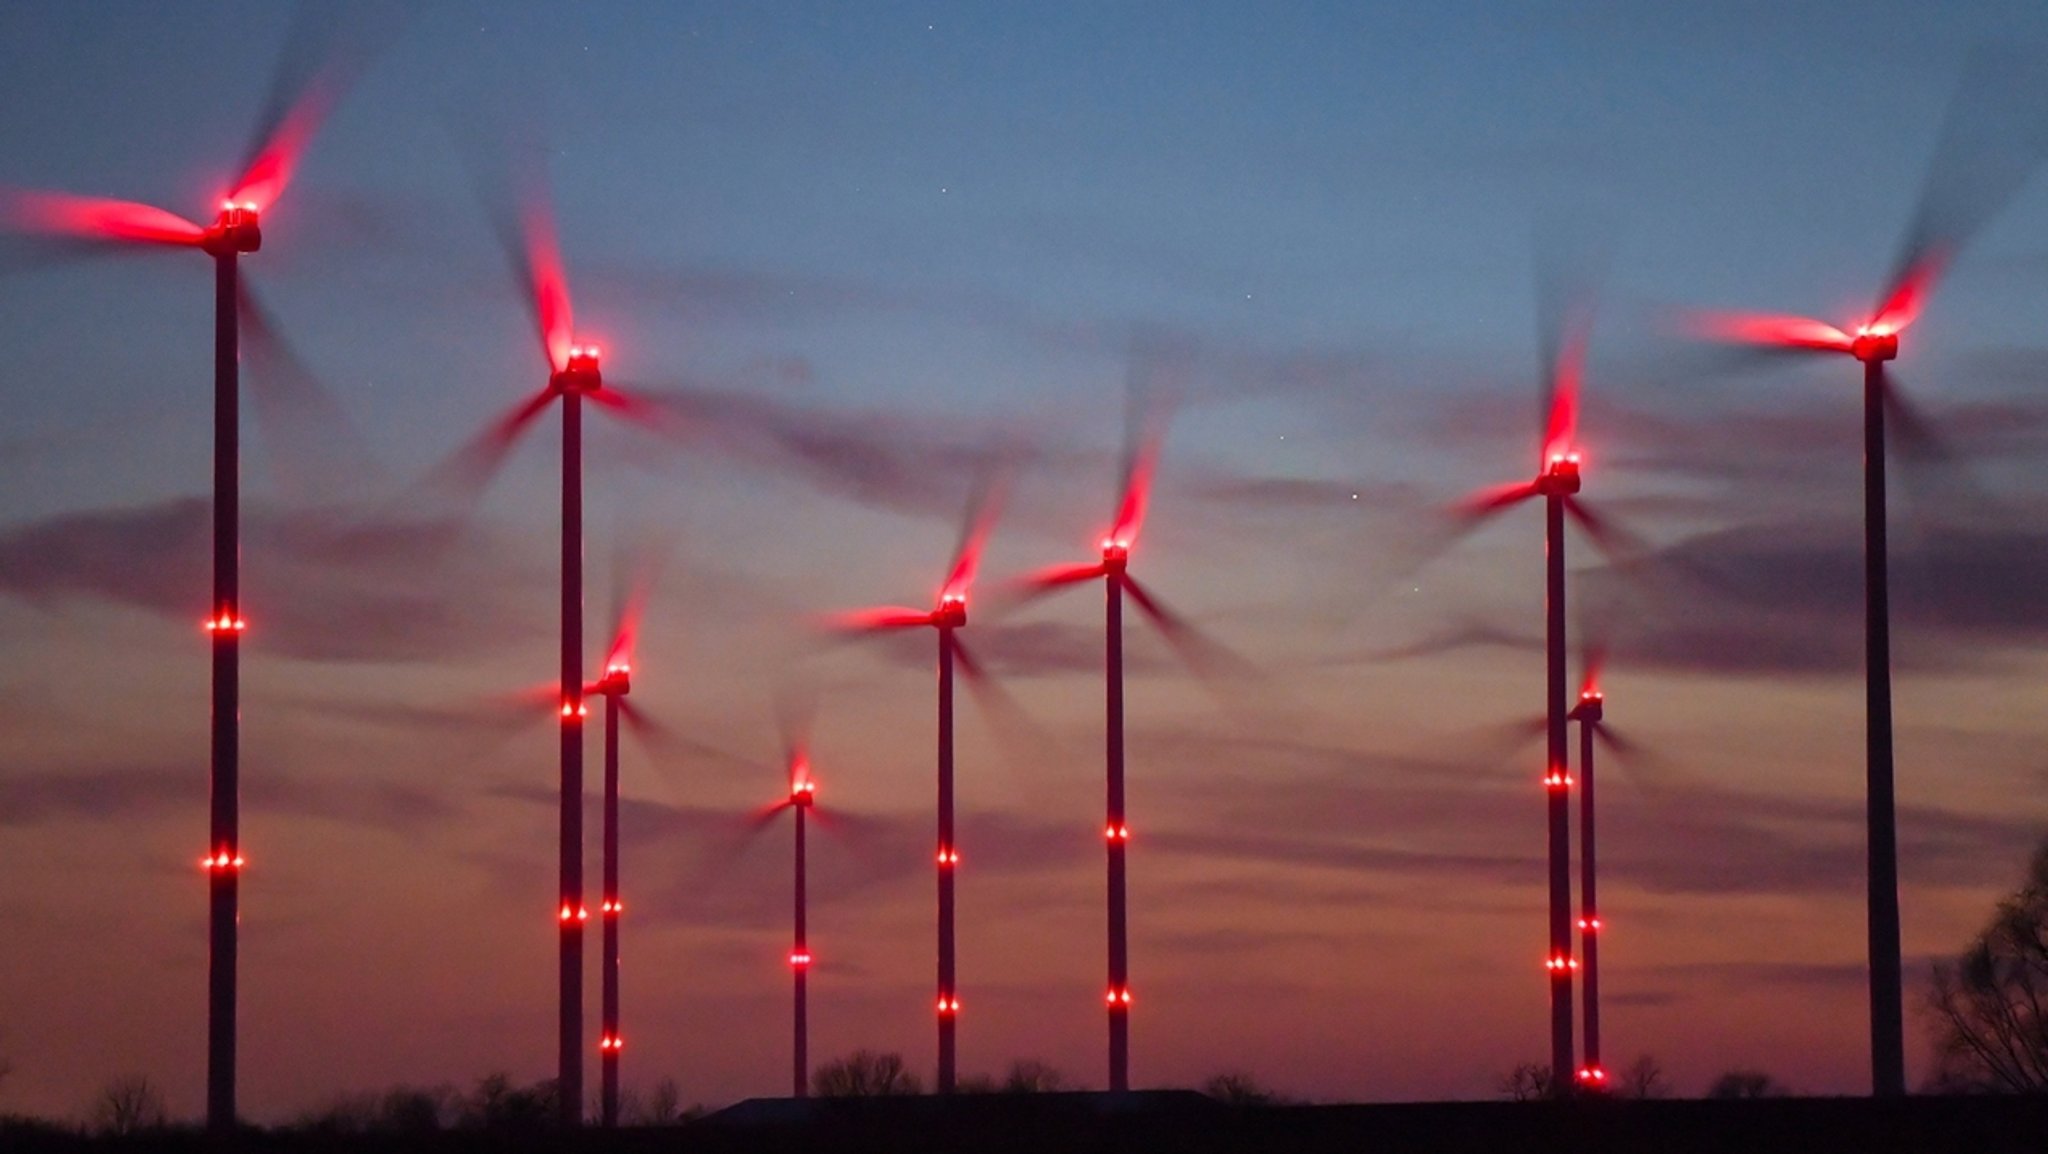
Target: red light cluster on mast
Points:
x,y
1117,832
948,1007
223,860
226,623
580,370
1120,996
611,1043
800,959
1559,962
948,856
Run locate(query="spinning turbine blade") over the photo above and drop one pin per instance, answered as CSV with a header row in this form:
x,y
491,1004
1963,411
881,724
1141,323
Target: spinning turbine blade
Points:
x,y
1772,330
327,47
93,218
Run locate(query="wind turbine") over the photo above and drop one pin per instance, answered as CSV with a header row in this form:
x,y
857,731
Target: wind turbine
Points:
x,y
614,686
574,375
1981,161
947,617
1557,482
312,76
1139,463
1590,713
803,789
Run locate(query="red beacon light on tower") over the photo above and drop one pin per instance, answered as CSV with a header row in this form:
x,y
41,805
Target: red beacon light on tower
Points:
x,y
1590,709
580,372
1116,552
1560,474
952,611
235,230
803,793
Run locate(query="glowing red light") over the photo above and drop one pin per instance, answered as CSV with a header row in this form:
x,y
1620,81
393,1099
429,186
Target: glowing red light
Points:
x,y
612,906
1117,832
800,959
948,1006
611,1043
1592,1074
1118,997
222,860
226,623
948,856
1592,924
568,912
1557,780
1560,962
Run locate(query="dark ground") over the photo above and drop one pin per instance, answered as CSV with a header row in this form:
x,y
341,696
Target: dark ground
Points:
x,y
1182,1121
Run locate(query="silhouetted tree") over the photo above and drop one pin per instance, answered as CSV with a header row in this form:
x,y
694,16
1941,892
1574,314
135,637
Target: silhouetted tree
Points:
x,y
130,1104
1991,1033
1746,1084
1525,1083
1031,1076
864,1074
1644,1078
416,1109
497,1104
1238,1088
663,1105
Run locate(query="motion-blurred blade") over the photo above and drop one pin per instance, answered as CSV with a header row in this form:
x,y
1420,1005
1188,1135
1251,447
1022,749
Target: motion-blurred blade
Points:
x,y
509,173
1053,577
316,452
636,567
1605,532
97,219
1151,390
984,505
1775,331
327,47
1566,275
1202,653
877,618
1993,138
1487,502
469,470
670,747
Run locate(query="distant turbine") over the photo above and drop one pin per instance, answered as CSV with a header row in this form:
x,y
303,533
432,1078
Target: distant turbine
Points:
x,y
1981,161
948,617
1140,461
1557,482
312,76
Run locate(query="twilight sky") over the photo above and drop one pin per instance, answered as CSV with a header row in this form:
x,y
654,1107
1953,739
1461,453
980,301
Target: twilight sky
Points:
x,y
903,232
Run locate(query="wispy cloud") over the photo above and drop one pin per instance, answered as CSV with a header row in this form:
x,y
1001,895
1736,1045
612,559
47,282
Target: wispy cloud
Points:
x,y
319,584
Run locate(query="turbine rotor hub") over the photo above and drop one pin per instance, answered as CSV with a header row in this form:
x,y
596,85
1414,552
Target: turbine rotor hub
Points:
x,y
1873,346
236,230
1560,477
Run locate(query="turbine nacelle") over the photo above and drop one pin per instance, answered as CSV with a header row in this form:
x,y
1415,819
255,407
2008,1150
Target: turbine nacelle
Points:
x,y
803,793
1116,553
952,611
1873,344
1590,708
579,372
1560,476
236,230
616,682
